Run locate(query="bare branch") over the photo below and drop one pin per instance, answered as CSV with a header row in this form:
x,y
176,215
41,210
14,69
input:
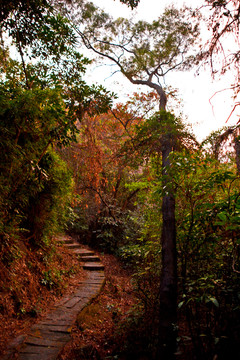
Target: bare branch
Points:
x,y
237,104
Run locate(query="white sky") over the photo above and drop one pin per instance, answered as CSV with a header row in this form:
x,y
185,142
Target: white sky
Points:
x,y
196,91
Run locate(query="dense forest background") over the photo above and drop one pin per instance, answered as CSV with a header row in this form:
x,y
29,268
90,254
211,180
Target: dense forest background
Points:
x,y
128,178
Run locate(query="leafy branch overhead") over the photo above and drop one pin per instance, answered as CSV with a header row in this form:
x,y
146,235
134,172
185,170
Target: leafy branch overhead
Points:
x,y
144,52
131,3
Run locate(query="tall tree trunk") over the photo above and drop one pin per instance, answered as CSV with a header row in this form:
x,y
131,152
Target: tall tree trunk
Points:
x,y
168,286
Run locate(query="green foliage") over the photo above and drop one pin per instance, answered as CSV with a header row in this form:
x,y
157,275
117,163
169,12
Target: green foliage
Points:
x,y
32,8
48,209
42,98
144,258
30,121
207,219
51,279
131,3
142,50
150,134
207,232
39,27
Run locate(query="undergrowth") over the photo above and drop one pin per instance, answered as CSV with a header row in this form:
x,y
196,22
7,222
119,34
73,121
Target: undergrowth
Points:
x,y
30,280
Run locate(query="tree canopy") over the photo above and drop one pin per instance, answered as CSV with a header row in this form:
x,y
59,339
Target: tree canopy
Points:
x,y
143,52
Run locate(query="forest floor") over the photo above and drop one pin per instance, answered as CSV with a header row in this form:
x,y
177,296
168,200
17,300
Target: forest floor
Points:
x,y
29,288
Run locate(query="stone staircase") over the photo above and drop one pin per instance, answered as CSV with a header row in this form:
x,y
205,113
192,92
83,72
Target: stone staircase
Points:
x,y
90,261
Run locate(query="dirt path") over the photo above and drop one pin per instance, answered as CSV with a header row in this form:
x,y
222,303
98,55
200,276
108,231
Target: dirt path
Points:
x,y
46,338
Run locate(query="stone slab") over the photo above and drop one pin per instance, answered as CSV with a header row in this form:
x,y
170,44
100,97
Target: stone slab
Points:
x,y
73,246
65,329
58,314
62,301
84,295
97,282
52,322
83,252
93,266
39,342
56,319
72,302
96,275
44,354
54,336
32,349
37,356
90,258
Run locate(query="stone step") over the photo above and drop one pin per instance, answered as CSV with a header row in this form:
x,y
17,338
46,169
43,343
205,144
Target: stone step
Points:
x,y
47,337
73,246
83,252
94,266
90,258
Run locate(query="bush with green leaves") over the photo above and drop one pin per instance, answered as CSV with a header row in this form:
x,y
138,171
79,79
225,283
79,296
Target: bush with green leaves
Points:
x,y
207,216
30,122
42,96
47,211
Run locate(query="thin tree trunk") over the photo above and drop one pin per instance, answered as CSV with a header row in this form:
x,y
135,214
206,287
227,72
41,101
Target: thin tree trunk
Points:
x,y
237,152
22,58
168,286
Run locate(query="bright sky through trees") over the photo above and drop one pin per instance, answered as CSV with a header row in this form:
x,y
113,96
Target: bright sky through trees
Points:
x,y
205,111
